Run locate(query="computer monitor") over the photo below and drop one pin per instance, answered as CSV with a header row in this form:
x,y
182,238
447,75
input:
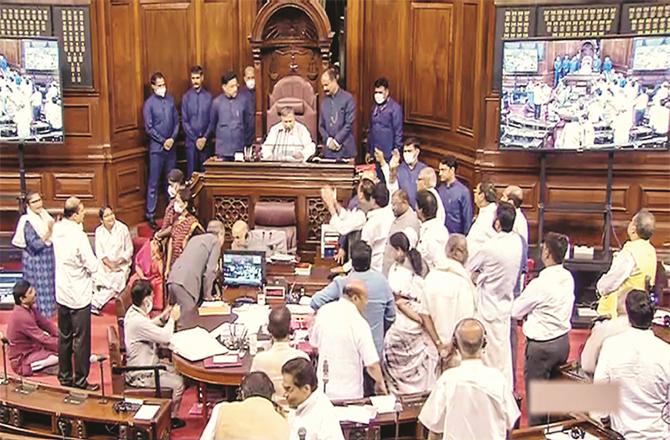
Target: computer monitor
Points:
x,y
243,268
7,281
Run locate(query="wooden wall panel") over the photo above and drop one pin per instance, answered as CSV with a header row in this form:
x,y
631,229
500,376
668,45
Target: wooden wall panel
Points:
x,y
220,24
430,64
465,87
77,120
125,94
168,44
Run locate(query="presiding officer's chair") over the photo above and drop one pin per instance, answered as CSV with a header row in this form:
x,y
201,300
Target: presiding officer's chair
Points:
x,y
296,92
278,216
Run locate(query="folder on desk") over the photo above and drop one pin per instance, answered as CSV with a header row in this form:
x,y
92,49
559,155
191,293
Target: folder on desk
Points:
x,y
214,308
222,361
196,344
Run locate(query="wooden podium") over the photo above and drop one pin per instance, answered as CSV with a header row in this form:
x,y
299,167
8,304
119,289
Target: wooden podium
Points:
x,y
229,192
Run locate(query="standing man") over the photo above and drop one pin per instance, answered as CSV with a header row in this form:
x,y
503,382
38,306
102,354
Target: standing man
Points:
x,y
406,174
455,197
385,131
546,304
336,119
497,264
514,195
405,218
482,230
230,119
196,106
75,266
161,123
427,180
433,236
248,92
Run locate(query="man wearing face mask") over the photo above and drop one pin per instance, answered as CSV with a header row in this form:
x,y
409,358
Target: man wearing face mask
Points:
x,y
405,218
336,119
385,132
142,337
248,92
161,123
230,119
196,106
288,140
405,175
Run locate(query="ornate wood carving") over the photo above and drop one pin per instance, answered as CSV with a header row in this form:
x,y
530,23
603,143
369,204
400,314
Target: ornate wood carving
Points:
x,y
318,214
230,209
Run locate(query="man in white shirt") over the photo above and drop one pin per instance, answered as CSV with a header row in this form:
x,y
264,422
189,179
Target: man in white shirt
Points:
x,y
601,331
449,293
482,230
428,180
405,219
546,304
470,401
433,235
114,249
75,267
373,200
640,363
288,140
314,416
270,362
514,195
497,265
344,342
142,336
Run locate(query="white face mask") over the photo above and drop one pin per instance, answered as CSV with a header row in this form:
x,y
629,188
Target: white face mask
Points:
x,y
149,305
172,191
380,98
179,208
251,84
408,158
161,91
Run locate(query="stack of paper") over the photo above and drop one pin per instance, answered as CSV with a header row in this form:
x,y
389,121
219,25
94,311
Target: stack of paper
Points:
x,y
383,404
214,308
356,413
195,344
147,412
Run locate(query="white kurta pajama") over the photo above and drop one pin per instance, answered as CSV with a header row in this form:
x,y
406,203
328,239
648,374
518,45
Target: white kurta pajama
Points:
x,y
114,245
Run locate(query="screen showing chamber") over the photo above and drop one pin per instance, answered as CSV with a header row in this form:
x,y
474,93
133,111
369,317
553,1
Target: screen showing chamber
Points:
x,y
585,94
31,100
7,282
241,268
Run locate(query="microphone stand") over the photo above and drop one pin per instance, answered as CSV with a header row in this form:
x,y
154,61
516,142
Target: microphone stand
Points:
x,y
103,400
397,410
4,380
325,375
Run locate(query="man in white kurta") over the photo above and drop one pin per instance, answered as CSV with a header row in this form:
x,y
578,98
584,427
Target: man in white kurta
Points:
x,y
433,235
428,180
114,249
470,401
482,228
312,413
497,265
288,140
373,199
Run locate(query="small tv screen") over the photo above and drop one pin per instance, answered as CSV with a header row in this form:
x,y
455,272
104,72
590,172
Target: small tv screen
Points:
x,y
585,94
7,281
31,99
243,268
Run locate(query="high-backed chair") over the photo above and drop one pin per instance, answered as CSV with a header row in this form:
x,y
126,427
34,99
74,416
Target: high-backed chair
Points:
x,y
122,303
278,216
119,368
296,92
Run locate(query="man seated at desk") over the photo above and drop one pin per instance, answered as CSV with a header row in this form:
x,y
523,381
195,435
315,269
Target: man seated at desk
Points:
x,y
33,338
259,240
288,140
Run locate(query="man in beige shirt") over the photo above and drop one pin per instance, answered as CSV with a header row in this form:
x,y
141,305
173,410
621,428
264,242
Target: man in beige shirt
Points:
x,y
271,361
254,418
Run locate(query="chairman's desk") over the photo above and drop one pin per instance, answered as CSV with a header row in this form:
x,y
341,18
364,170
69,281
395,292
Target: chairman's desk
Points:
x,y
229,191
43,413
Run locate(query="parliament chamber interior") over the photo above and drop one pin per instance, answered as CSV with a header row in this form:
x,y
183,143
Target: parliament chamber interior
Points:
x,y
334,219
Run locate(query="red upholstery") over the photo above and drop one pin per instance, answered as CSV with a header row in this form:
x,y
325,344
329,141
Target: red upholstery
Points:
x,y
296,92
278,216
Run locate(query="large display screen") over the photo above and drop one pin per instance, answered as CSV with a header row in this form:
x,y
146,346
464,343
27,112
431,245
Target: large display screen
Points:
x,y
243,268
585,94
31,99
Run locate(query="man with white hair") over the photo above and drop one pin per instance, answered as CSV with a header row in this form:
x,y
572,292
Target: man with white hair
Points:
x,y
288,140
514,195
428,180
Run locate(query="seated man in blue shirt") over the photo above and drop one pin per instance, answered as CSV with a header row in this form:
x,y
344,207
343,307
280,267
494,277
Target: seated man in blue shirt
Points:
x,y
380,310
456,198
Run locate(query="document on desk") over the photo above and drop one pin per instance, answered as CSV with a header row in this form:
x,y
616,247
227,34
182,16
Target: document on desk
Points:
x,y
659,316
147,412
383,404
356,413
196,344
214,308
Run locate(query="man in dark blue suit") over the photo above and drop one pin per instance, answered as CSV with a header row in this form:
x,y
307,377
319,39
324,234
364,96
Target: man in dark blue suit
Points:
x,y
336,119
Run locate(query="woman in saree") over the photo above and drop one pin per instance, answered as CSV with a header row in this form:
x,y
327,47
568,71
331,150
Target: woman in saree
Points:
x,y
184,226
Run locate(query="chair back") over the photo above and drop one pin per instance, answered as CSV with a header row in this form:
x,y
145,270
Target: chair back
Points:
x,y
122,303
296,92
279,216
115,360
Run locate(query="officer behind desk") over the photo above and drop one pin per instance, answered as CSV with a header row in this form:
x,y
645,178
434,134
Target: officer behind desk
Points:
x,y
230,120
336,119
288,140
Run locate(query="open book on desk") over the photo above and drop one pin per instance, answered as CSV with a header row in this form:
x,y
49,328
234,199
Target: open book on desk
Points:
x,y
196,344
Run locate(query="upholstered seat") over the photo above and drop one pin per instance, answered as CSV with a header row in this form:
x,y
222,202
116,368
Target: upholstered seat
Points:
x,y
295,92
280,216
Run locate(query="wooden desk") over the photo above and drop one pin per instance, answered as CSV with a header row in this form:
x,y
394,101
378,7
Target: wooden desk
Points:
x,y
41,412
581,422
229,191
661,331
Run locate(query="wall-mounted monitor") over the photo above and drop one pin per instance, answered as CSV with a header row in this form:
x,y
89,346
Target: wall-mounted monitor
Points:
x,y
585,94
31,98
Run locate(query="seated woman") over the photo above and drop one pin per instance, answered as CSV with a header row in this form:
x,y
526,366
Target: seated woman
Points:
x,y
34,339
149,266
185,225
410,357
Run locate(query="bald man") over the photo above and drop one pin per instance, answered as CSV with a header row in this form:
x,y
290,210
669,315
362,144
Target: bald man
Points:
x,y
193,274
248,93
427,180
260,240
470,401
336,119
514,195
633,267
75,266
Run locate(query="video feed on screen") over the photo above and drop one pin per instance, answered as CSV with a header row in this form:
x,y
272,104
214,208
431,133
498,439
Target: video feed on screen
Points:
x,y
241,269
586,94
31,100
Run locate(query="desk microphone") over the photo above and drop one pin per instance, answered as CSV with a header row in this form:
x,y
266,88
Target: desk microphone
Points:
x,y
100,358
397,409
302,433
325,375
97,358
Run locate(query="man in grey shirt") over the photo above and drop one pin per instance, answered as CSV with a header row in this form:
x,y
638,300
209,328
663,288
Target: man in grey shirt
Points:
x,y
405,218
142,336
193,274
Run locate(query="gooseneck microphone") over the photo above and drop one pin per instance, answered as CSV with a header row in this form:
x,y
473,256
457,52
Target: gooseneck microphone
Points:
x,y
302,433
325,375
100,358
